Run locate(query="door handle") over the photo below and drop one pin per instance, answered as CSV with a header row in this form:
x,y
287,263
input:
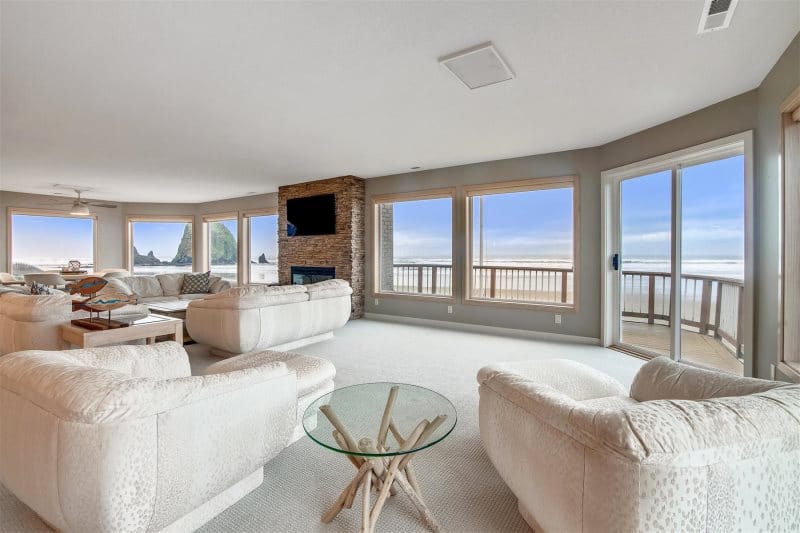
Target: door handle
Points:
x,y
615,261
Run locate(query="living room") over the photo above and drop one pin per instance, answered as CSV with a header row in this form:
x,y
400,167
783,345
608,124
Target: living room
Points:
x,y
264,233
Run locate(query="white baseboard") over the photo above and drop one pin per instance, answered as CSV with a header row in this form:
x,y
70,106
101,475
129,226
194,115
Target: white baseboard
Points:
x,y
491,330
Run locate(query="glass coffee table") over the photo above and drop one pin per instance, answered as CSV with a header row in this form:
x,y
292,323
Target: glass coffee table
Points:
x,y
379,427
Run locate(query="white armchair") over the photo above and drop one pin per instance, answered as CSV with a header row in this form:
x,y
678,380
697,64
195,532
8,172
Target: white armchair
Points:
x,y
122,438
687,450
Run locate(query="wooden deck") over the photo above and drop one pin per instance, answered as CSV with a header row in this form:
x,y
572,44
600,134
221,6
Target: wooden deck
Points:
x,y
697,348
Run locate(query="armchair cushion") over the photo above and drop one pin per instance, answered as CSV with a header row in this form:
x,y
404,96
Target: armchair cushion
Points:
x,y
33,308
664,379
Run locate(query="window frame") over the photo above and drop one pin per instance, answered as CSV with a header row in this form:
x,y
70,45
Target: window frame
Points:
x,y
219,217
244,222
525,185
130,219
11,211
428,194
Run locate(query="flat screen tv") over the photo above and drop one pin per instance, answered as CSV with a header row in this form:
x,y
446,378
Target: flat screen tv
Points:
x,y
312,215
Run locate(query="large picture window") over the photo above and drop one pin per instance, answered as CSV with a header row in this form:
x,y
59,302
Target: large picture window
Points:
x,y
222,245
262,245
42,241
160,245
522,245
414,244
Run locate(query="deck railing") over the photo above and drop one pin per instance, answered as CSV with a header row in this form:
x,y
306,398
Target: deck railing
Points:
x,y
520,284
710,305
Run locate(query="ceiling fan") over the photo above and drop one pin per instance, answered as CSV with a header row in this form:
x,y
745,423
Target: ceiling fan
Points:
x,y
80,207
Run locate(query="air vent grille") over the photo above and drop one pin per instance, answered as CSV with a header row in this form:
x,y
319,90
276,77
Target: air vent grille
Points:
x,y
716,15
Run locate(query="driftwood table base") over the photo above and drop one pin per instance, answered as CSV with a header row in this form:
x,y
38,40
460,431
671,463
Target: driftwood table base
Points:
x,y
382,474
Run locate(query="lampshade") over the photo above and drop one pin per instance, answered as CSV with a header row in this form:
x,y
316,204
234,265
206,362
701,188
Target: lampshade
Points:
x,y
79,209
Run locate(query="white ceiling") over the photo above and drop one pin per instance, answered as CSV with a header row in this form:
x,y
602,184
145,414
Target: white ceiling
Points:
x,y
190,102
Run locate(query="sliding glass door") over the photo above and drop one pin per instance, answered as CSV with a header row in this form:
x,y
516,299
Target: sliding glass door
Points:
x,y
678,275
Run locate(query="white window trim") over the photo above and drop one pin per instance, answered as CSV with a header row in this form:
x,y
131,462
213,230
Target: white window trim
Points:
x,y
527,185
429,194
737,144
219,217
11,211
244,222
130,219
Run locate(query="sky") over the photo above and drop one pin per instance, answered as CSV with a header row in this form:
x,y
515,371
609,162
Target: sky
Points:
x,y
533,225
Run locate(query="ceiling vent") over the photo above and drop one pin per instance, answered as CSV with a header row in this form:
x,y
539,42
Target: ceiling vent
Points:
x,y
717,15
478,66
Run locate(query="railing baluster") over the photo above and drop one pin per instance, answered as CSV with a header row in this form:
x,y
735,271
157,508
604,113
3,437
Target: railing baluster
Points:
x,y
434,273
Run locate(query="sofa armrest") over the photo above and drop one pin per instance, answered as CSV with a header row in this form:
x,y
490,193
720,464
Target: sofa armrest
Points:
x,y
569,378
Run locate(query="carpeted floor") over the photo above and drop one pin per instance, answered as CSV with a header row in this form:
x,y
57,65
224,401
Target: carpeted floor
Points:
x,y
458,482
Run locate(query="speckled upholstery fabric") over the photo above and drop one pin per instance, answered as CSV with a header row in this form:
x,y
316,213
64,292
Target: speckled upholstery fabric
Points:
x,y
581,454
255,318
314,376
124,439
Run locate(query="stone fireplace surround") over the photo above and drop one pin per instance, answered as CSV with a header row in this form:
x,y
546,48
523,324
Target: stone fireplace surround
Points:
x,y
344,250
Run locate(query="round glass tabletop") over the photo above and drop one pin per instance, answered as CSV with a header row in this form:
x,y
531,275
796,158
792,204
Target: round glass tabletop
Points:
x,y
379,419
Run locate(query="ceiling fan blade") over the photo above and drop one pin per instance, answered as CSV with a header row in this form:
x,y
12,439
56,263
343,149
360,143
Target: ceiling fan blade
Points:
x,y
101,204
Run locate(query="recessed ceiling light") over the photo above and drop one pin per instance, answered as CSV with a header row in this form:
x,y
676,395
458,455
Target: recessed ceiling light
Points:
x,y
478,66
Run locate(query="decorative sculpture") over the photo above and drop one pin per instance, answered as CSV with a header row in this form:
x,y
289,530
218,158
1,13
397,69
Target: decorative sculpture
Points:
x,y
97,303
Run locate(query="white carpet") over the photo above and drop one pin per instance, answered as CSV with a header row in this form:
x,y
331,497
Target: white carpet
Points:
x,y
458,482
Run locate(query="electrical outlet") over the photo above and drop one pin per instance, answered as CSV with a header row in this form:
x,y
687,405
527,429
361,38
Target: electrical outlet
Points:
x,y
449,309
377,302
558,319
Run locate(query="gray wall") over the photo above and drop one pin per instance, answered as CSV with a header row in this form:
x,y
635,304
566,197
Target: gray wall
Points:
x,y
779,83
583,163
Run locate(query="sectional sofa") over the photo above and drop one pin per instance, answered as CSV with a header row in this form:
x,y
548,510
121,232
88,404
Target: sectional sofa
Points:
x,y
256,317
168,287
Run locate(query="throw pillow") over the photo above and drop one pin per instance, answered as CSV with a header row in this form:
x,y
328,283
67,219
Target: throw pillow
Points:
x,y
38,288
195,283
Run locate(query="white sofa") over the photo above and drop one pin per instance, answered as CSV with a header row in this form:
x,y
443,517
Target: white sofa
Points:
x,y
257,317
123,439
686,450
167,287
30,322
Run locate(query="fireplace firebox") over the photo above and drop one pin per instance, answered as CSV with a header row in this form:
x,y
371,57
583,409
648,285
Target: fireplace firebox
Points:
x,y
303,275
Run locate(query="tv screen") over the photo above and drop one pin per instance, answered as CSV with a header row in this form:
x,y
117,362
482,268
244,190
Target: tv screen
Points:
x,y
312,215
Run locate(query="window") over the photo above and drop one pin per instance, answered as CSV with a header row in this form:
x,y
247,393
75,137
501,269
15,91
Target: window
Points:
x,y
414,244
221,245
46,240
522,246
262,245
160,245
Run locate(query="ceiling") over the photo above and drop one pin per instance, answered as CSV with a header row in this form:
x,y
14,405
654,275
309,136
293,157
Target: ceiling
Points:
x,y
191,102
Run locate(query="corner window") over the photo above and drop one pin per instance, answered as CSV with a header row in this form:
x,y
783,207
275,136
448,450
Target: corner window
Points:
x,y
222,245
262,244
414,244
46,241
160,245
522,246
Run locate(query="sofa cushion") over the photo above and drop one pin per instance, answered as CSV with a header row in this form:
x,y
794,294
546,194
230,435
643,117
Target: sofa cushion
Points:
x,y
330,288
195,283
248,296
171,284
116,285
664,379
192,296
31,308
156,299
144,286
312,372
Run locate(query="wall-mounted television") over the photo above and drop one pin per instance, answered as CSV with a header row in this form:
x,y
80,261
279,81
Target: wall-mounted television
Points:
x,y
311,215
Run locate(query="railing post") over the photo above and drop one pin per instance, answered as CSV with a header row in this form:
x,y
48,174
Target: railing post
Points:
x,y
718,317
492,282
705,306
651,299
434,274
739,312
419,279
563,287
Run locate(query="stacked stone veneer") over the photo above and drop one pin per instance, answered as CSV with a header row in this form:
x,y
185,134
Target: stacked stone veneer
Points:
x,y
386,246
344,251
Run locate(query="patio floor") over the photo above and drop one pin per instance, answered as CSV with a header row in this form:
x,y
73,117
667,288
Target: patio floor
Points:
x,y
702,349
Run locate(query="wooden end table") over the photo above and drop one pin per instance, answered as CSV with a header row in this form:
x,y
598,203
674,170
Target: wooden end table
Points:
x,y
146,328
